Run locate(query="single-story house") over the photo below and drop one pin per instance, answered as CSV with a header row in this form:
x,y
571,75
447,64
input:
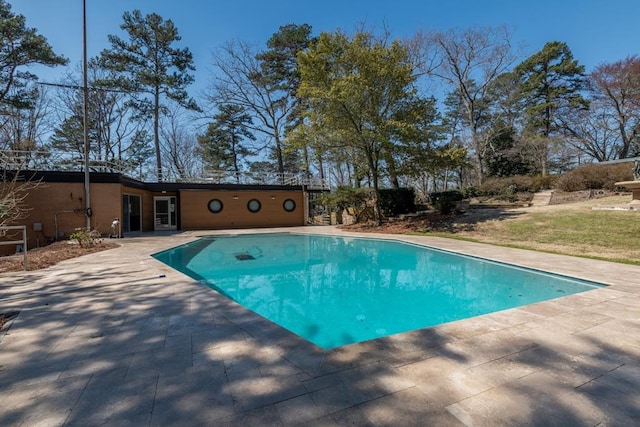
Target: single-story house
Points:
x,y
57,207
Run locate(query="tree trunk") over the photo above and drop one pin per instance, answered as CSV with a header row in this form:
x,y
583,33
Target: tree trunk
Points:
x,y
479,156
305,151
156,132
373,167
392,170
279,157
236,169
624,152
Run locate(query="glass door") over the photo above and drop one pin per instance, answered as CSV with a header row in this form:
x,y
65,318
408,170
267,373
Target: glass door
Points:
x,y
164,212
131,213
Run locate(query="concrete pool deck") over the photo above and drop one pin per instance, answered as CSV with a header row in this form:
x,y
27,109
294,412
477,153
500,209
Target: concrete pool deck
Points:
x,y
118,338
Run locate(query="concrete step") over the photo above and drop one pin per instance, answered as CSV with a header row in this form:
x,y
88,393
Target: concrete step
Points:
x,y
542,198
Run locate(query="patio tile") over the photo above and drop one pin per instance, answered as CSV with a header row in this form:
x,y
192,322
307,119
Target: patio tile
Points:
x,y
472,327
106,401
321,382
333,398
514,316
43,403
298,410
618,406
352,416
447,388
219,336
546,308
168,362
115,344
576,321
501,370
625,379
197,396
422,370
408,407
265,416
251,391
532,400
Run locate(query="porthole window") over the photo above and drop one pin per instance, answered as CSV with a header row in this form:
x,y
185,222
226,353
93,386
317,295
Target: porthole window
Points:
x,y
254,205
215,206
289,205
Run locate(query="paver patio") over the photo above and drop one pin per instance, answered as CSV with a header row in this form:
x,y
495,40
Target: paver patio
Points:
x,y
118,338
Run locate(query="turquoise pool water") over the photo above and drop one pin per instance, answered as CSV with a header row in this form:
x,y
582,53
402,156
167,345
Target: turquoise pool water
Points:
x,y
335,291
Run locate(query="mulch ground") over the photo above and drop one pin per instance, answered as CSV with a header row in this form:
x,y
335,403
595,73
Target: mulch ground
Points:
x,y
49,255
432,222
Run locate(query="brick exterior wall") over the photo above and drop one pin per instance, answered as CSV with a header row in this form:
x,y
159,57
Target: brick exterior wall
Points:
x,y
195,213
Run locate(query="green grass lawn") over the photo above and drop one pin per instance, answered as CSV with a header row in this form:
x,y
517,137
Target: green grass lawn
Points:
x,y
573,230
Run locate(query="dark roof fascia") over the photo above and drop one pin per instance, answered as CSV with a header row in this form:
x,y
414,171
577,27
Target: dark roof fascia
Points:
x,y
185,186
61,176
116,178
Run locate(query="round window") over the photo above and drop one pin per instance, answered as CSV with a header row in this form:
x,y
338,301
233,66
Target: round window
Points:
x,y
254,205
289,205
215,206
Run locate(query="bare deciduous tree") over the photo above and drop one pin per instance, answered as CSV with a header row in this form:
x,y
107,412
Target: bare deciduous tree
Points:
x,y
594,132
615,88
178,145
14,188
469,61
239,83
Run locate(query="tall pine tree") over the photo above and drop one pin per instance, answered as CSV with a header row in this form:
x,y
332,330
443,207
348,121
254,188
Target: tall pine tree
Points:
x,y
150,67
551,84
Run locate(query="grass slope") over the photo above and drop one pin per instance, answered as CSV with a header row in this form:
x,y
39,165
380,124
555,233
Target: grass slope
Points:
x,y
573,229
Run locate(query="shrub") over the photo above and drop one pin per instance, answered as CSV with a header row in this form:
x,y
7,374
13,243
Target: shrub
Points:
x,y
546,182
445,201
469,192
505,187
86,238
347,197
397,201
595,177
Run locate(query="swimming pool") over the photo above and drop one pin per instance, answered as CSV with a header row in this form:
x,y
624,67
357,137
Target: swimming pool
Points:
x,y
335,290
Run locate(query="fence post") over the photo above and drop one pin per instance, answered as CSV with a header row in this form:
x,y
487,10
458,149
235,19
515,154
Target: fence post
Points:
x,y
22,242
24,246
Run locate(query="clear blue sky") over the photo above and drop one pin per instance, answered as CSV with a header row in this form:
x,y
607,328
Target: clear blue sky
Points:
x,y
596,30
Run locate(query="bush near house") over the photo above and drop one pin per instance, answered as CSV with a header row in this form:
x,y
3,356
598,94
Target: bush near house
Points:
x,y
86,238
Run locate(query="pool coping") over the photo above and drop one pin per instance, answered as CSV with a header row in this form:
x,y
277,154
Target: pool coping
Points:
x,y
451,372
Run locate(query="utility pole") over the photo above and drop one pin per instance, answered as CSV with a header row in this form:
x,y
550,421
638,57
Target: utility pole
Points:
x,y
85,93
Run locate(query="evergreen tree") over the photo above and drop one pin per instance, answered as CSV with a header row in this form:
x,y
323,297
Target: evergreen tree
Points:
x,y
505,156
264,84
149,64
551,84
222,145
280,69
20,47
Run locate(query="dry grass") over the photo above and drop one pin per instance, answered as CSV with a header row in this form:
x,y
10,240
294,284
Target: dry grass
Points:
x,y
571,229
